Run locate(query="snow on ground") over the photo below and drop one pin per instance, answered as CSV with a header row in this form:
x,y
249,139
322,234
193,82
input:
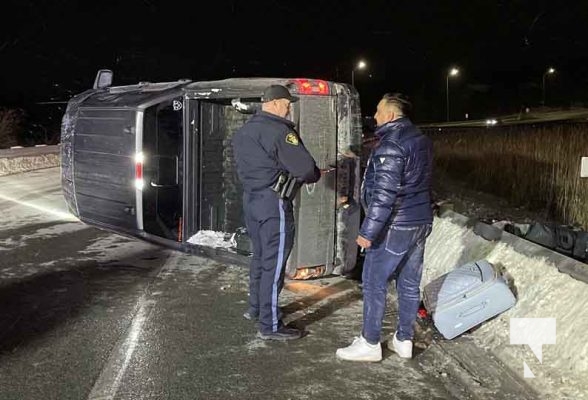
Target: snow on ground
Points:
x,y
542,292
484,206
213,239
43,233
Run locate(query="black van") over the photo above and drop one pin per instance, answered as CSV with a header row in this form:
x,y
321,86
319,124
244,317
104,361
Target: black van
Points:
x,y
154,161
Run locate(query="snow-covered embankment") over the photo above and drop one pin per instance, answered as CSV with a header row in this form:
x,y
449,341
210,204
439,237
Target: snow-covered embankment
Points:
x,y
542,291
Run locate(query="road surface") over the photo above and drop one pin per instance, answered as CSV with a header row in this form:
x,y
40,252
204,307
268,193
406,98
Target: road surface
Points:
x,y
89,314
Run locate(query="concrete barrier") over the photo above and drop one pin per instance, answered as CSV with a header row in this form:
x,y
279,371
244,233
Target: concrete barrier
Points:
x,y
546,284
17,160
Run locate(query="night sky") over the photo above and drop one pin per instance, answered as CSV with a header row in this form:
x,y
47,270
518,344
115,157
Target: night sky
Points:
x,y
52,49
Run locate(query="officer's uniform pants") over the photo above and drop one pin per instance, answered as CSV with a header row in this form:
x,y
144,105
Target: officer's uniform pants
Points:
x,y
270,224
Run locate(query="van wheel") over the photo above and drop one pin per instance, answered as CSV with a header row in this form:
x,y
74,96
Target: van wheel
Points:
x,y
308,273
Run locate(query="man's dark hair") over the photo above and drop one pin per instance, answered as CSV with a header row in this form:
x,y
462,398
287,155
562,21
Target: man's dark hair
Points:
x,y
401,101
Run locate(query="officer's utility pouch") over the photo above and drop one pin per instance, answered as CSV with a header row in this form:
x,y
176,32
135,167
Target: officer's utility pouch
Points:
x,y
285,186
280,182
289,189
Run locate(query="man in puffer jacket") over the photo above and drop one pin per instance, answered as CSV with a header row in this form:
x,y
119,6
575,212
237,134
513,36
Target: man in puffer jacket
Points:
x,y
397,201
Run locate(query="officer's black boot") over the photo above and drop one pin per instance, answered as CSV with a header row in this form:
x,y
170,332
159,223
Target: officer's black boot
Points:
x,y
283,333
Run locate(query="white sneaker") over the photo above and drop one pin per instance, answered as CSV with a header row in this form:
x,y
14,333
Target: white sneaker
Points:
x,y
401,347
360,350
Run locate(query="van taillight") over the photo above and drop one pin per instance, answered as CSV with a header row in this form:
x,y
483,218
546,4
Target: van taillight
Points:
x,y
139,159
312,86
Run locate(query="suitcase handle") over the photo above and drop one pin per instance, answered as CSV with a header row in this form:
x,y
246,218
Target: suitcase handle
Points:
x,y
473,310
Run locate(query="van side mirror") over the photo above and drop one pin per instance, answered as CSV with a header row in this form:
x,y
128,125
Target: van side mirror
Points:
x,y
103,79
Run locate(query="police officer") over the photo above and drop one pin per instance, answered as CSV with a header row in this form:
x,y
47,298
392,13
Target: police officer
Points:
x,y
266,148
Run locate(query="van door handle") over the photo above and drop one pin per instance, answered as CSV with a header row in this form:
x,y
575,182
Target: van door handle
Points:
x,y
176,177
157,185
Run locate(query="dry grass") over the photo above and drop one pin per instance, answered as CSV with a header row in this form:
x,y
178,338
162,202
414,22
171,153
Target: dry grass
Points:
x,y
10,125
536,166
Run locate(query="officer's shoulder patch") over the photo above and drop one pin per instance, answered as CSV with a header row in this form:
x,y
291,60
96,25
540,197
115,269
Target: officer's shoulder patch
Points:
x,y
291,138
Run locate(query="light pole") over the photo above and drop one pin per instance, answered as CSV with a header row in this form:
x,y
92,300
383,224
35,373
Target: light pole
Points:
x,y
549,71
360,65
452,72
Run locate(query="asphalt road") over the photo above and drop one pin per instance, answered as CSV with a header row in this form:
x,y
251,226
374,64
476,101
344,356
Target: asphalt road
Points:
x,y
88,314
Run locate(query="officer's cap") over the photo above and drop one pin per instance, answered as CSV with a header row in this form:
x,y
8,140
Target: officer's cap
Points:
x,y
275,92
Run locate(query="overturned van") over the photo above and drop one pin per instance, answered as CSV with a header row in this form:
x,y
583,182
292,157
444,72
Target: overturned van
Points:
x,y
154,161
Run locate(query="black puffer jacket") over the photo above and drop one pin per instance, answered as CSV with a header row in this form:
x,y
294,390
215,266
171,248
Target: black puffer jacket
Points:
x,y
396,188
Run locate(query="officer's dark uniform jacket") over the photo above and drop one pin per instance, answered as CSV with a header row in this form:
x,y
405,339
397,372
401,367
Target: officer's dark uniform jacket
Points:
x,y
397,181
267,145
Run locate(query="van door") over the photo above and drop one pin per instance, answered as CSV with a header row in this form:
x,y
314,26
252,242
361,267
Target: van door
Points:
x,y
163,169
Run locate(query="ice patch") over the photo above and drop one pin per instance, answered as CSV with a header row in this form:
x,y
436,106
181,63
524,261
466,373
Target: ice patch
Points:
x,y
255,344
57,230
214,239
105,249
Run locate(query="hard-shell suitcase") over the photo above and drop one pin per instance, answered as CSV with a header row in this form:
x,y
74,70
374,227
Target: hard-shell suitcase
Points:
x,y
466,297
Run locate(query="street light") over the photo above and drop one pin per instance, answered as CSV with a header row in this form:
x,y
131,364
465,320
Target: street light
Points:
x,y
550,71
452,72
360,65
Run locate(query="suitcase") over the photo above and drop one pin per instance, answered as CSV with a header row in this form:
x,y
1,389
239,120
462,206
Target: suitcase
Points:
x,y
467,296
